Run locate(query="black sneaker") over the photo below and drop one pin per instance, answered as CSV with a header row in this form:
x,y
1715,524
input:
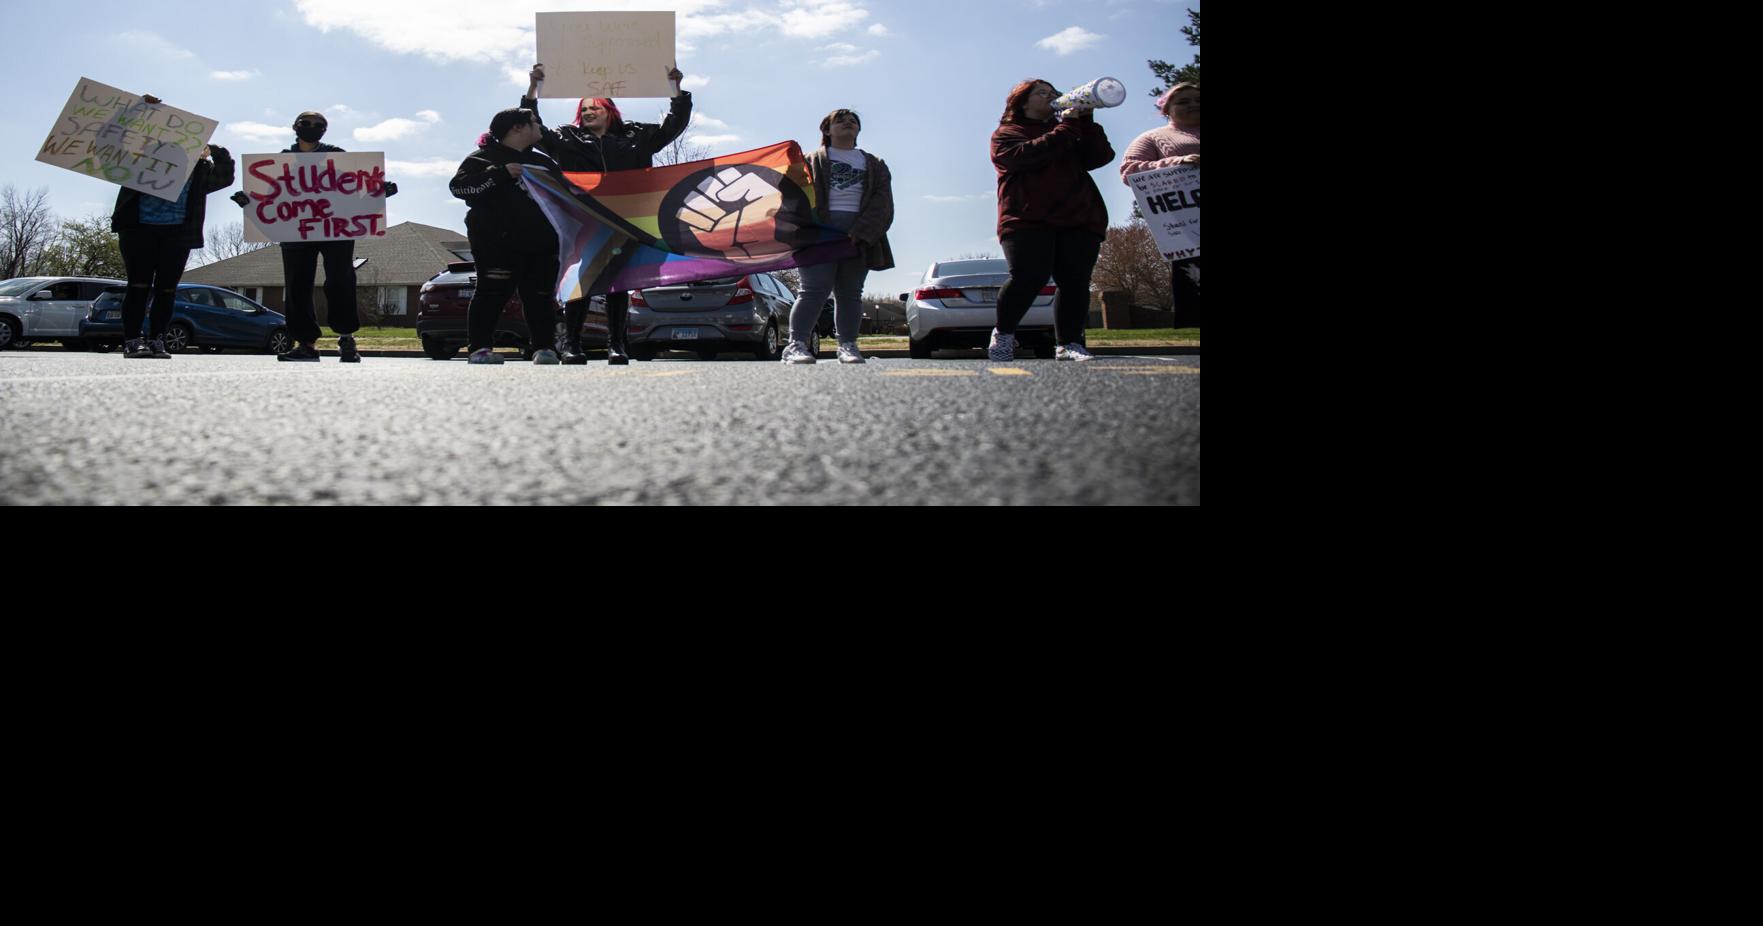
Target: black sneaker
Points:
x,y
305,353
156,350
572,355
137,350
346,345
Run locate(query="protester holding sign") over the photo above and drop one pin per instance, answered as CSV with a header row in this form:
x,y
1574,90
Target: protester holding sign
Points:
x,y
600,141
156,237
514,244
1051,217
300,267
854,193
1174,145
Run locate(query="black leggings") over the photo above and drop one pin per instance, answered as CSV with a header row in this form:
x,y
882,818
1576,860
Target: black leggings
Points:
x,y
1184,279
1069,257
499,275
618,321
154,257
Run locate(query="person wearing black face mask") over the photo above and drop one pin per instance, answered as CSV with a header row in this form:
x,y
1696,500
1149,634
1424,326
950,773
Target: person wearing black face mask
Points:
x,y
300,267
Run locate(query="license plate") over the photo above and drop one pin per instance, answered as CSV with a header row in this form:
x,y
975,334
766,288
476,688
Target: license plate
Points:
x,y
685,334
982,296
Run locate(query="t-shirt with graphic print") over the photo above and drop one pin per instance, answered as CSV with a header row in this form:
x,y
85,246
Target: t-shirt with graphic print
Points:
x,y
850,171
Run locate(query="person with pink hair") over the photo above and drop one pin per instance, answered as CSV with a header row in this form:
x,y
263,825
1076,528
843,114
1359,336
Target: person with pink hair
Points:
x,y
600,141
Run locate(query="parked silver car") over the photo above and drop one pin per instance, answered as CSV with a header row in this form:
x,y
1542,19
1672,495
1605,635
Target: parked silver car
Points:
x,y
957,307
47,308
749,314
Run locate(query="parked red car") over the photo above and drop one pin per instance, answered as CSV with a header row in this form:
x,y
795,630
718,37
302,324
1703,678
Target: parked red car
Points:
x,y
440,318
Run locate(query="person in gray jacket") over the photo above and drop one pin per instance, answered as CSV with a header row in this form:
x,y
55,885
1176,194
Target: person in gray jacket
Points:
x,y
853,192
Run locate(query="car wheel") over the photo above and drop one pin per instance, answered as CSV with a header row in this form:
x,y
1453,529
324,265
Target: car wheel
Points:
x,y
920,350
11,335
707,355
278,342
644,354
438,349
103,347
177,339
772,348
75,345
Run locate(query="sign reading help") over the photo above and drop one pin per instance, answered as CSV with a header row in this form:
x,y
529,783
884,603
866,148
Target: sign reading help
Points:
x,y
106,133
315,197
608,55
1169,199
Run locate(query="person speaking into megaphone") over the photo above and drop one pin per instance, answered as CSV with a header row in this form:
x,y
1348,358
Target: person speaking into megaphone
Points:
x,y
1051,217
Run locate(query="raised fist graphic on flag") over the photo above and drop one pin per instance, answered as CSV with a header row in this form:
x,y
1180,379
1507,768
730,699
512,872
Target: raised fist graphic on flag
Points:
x,y
735,211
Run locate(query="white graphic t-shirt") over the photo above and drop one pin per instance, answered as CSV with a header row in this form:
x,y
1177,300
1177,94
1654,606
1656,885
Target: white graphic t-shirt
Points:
x,y
849,173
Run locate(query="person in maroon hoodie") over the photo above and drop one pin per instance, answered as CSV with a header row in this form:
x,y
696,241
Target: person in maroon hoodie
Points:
x,y
1051,217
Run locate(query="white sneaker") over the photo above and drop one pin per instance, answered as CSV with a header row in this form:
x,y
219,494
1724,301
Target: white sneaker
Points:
x,y
1074,352
797,354
1003,347
546,358
486,356
848,352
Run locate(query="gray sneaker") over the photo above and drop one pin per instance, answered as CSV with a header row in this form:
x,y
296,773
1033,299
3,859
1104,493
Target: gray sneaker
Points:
x,y
137,350
486,356
546,358
1074,352
1002,348
848,352
797,354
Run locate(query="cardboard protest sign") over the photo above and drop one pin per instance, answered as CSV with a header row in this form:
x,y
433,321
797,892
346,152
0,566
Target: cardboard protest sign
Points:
x,y
106,133
606,54
314,197
1169,199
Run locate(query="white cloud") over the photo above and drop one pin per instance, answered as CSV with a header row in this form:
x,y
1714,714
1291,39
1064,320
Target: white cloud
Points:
x,y
1074,39
701,121
712,140
258,132
813,19
340,110
847,55
435,167
694,83
156,44
395,129
879,31
234,75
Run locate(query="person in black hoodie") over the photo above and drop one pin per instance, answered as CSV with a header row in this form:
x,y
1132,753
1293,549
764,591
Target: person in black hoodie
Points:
x,y
300,267
156,237
513,243
600,141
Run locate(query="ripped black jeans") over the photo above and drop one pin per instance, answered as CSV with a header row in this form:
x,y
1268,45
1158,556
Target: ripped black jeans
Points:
x,y
500,274
154,256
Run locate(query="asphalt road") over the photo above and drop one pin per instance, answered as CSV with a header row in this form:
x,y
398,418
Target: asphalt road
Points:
x,y
94,429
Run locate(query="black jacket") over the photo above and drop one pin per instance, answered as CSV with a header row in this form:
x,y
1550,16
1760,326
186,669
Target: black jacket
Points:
x,y
629,146
205,179
321,149
502,217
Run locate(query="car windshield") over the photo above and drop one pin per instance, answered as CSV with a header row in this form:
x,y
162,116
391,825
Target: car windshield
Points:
x,y
111,297
964,268
22,286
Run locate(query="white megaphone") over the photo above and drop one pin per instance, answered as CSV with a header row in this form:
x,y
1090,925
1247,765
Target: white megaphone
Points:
x,y
1101,93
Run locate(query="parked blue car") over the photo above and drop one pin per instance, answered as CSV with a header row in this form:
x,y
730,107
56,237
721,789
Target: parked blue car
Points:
x,y
205,317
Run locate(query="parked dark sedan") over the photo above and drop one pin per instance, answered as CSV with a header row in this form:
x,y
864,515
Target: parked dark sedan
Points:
x,y
205,317
440,318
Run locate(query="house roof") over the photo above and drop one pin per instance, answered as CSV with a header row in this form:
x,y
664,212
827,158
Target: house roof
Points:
x,y
409,255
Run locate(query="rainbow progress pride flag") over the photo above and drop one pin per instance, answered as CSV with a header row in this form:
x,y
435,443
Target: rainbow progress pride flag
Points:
x,y
728,216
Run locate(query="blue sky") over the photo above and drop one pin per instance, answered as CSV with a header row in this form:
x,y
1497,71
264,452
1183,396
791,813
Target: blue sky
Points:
x,y
420,79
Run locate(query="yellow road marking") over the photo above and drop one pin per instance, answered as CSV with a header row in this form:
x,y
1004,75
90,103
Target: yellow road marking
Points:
x,y
664,375
930,373
1008,371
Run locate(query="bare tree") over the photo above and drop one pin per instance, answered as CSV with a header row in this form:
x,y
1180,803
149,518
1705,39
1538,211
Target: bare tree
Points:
x,y
226,243
1130,261
682,151
976,255
27,232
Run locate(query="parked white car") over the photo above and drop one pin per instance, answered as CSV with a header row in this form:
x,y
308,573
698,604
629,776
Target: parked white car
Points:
x,y
47,308
957,307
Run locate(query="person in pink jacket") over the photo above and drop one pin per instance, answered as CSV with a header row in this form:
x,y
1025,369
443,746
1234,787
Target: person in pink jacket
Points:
x,y
1175,144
